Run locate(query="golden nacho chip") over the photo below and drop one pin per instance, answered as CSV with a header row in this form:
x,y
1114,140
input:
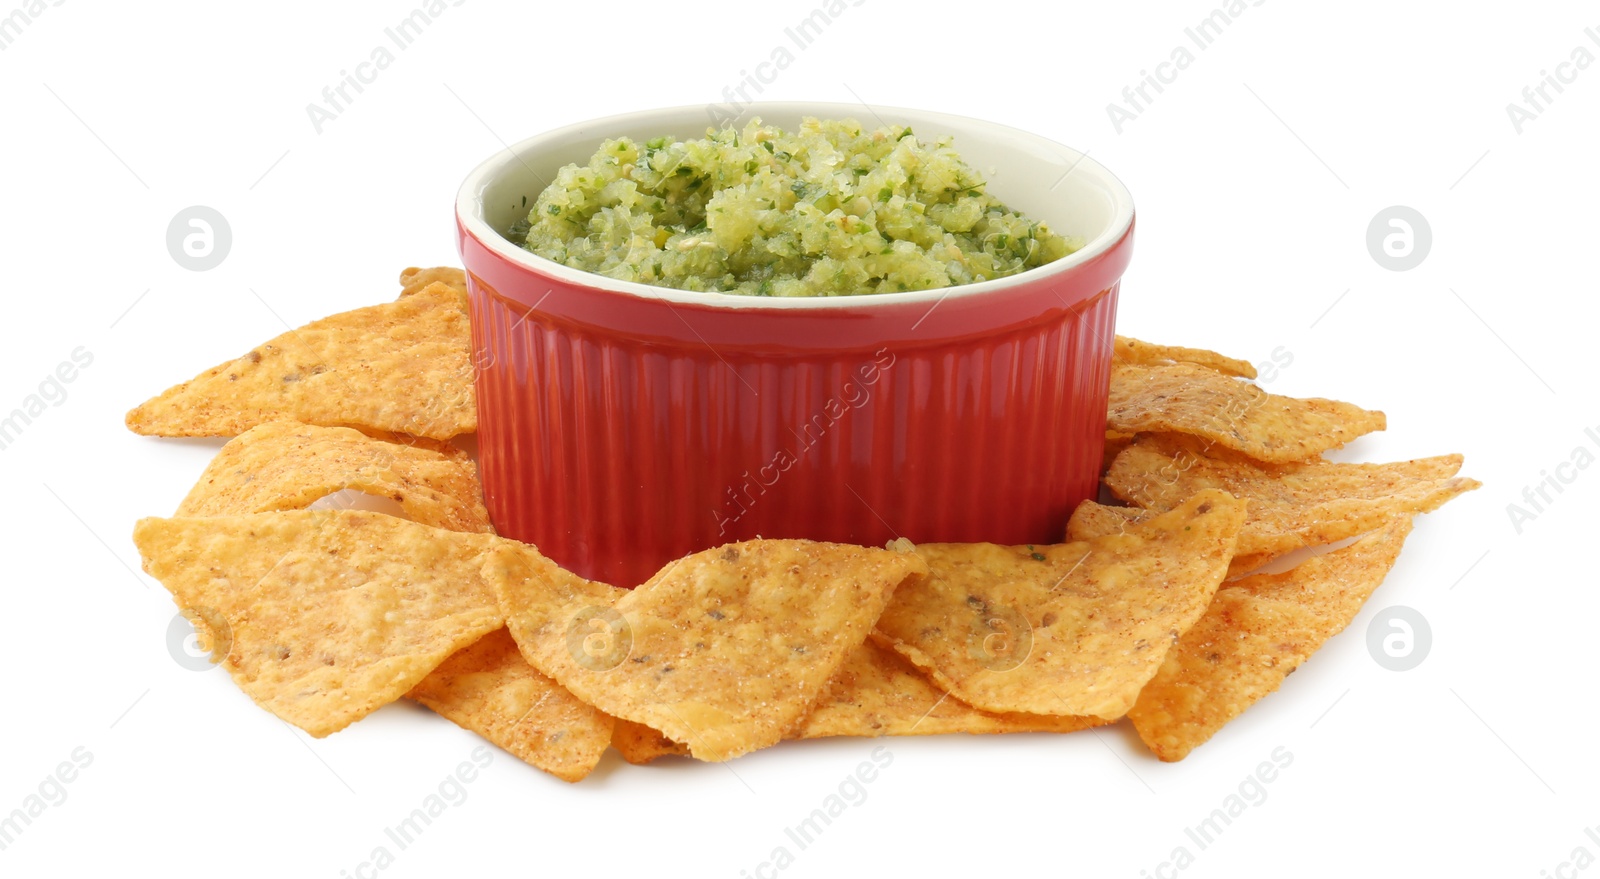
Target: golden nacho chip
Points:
x,y
415,280
1255,633
330,614
639,744
285,465
1250,563
402,366
723,650
878,693
1071,629
1291,505
490,689
547,597
875,692
1115,443
1092,520
1229,412
1128,350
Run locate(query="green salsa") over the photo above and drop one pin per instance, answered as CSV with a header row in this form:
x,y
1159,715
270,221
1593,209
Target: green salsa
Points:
x,y
829,210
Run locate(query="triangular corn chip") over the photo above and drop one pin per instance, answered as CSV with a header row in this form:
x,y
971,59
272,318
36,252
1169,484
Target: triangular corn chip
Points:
x,y
639,744
1092,520
1070,629
544,596
875,692
878,693
1291,505
1115,443
1128,350
1255,633
490,689
285,465
723,650
402,366
414,280
1229,412
329,614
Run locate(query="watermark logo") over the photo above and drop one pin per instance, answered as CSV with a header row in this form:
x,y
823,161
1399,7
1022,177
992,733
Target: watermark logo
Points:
x,y
800,35
1137,98
12,25
1267,371
1581,857
198,637
199,238
399,37
1203,834
52,392
1399,238
1538,97
849,793
1538,497
855,394
451,792
1002,637
51,793
599,638
1399,638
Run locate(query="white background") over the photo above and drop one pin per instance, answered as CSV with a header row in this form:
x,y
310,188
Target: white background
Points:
x,y
1255,174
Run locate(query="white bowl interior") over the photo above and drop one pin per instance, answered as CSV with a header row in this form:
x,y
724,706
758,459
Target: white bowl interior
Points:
x,y
1045,180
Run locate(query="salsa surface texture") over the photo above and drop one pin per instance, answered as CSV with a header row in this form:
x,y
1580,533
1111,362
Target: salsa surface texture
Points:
x,y
831,209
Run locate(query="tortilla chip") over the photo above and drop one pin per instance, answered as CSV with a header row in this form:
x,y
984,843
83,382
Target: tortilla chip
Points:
x,y
1249,564
285,465
546,598
878,693
490,689
1291,505
1092,520
414,280
1115,443
639,744
1071,629
330,613
1255,633
402,366
723,650
1132,351
874,693
1234,414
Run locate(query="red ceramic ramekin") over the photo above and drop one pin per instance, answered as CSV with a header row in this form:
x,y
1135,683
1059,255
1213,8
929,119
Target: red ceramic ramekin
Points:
x,y
623,425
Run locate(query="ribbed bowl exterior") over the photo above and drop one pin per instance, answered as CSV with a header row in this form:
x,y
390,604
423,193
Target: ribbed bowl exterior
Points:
x,y
616,450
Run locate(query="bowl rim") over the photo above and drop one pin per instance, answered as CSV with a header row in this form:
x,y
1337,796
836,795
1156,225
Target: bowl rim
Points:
x,y
470,215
